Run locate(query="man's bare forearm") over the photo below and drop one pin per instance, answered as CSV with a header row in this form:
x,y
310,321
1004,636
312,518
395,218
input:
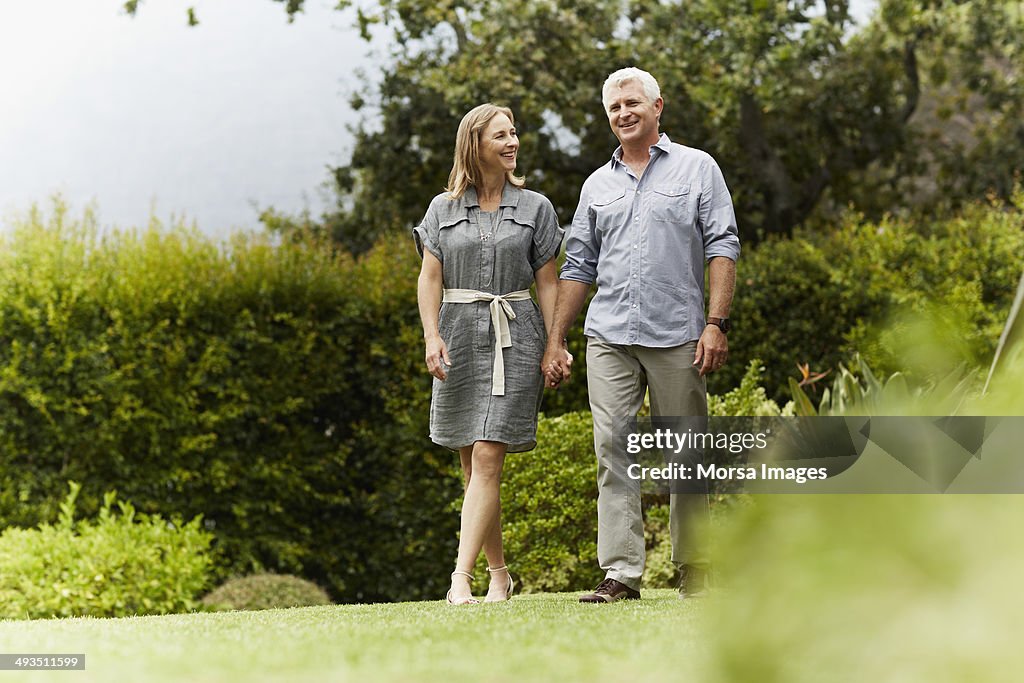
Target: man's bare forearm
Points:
x,y
722,284
571,295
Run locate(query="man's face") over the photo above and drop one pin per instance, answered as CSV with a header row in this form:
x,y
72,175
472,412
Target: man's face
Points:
x,y
633,117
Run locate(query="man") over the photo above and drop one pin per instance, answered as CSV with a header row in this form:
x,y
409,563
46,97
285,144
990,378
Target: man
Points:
x,y
645,226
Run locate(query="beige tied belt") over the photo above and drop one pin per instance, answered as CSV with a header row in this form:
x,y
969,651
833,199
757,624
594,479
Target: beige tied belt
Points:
x,y
501,311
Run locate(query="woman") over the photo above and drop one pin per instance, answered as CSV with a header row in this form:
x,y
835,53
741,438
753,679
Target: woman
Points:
x,y
484,242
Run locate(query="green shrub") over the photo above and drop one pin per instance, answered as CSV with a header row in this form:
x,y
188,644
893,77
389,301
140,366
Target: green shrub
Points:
x,y
659,570
120,564
747,399
549,503
549,507
266,591
788,309
278,390
821,296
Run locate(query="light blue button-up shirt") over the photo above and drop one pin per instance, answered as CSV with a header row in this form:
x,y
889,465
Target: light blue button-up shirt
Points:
x,y
645,241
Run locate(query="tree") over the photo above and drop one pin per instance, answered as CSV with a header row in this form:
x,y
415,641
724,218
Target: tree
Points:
x,y
965,138
803,110
292,7
797,106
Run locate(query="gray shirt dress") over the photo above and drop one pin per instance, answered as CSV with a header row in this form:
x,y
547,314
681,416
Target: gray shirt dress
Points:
x,y
525,237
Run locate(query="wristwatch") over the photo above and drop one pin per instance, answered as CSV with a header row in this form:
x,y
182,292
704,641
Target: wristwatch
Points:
x,y
724,324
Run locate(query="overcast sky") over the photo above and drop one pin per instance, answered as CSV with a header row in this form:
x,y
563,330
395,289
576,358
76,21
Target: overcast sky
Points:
x,y
145,112
146,115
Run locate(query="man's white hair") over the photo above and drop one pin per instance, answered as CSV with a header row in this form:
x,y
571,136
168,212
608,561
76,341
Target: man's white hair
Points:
x,y
631,73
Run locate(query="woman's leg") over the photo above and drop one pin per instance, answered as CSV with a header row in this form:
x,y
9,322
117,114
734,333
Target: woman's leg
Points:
x,y
497,590
466,460
481,511
493,548
461,589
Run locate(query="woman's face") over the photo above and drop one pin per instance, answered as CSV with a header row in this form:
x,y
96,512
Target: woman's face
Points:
x,y
499,145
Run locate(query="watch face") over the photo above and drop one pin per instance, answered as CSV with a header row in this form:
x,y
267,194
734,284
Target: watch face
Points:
x,y
726,325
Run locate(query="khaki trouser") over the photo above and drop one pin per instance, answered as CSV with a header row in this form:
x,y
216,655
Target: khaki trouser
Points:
x,y
618,377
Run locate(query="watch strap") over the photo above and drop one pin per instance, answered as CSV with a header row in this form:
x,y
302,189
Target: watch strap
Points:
x,y
721,323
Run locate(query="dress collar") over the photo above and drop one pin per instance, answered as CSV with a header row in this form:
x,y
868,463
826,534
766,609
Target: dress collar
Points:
x,y
509,196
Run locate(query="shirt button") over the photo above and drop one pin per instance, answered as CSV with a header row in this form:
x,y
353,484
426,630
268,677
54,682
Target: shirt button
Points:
x,y
636,218
634,305
634,246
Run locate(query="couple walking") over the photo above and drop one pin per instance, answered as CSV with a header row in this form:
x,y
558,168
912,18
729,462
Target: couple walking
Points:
x,y
647,223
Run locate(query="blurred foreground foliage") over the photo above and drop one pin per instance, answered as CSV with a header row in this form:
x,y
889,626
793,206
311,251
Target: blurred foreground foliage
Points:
x,y
926,585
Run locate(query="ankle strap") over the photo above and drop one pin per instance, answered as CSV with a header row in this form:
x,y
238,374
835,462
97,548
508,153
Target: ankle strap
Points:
x,y
502,568
462,573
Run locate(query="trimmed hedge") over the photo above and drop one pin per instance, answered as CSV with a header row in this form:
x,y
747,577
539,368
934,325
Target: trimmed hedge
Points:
x,y
274,389
279,389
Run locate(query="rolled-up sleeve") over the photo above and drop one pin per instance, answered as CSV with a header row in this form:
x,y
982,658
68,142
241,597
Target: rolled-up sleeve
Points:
x,y
425,235
583,245
716,214
547,236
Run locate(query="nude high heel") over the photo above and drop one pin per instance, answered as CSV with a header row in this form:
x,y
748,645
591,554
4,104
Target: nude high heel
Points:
x,y
468,601
511,583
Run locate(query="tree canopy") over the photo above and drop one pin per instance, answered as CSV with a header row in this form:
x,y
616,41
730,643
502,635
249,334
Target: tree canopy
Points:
x,y
804,111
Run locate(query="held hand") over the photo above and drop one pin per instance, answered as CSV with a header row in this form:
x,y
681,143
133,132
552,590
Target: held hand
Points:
x,y
437,358
712,350
556,366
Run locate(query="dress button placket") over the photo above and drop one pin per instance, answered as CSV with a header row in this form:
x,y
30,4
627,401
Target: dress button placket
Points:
x,y
486,252
486,276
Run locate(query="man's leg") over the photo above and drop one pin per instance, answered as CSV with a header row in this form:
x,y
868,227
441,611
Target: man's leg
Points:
x,y
678,390
617,386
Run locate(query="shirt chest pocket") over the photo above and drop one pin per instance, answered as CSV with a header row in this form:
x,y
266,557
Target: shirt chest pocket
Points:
x,y
670,204
610,210
515,239
453,232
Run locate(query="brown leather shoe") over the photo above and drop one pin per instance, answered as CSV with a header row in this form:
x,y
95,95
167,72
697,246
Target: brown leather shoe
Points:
x,y
611,590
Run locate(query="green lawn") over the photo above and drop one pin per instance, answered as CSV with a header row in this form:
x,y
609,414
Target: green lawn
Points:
x,y
533,637
812,589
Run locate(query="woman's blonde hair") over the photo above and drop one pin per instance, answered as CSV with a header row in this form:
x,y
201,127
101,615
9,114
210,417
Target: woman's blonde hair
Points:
x,y
466,167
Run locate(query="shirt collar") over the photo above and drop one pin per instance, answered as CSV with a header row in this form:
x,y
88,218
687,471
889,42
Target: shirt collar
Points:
x,y
509,196
663,144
